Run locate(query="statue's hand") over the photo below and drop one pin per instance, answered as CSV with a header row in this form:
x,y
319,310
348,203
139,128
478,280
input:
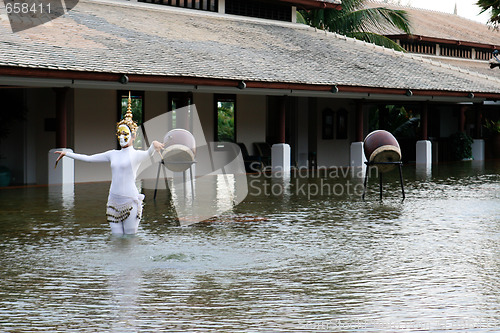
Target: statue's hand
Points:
x,y
158,146
61,155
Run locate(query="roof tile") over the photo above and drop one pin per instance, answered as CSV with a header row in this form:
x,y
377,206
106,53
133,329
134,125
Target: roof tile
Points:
x,y
113,37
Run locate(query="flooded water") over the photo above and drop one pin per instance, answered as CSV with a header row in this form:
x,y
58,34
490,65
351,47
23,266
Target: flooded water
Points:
x,y
306,257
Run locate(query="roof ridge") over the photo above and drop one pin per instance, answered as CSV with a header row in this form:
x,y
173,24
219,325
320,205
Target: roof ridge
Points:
x,y
415,57
193,12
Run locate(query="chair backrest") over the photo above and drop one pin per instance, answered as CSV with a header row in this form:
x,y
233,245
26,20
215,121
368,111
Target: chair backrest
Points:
x,y
244,151
263,149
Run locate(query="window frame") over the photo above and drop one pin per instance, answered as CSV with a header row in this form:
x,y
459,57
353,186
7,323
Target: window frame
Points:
x,y
121,94
217,99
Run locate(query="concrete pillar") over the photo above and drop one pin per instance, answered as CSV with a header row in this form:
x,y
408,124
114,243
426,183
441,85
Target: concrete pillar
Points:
x,y
64,173
357,153
358,158
423,172
478,143
478,150
424,153
281,152
280,158
222,6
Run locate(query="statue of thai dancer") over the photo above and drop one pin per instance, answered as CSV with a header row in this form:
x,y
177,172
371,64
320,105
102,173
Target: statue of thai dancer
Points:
x,y
124,207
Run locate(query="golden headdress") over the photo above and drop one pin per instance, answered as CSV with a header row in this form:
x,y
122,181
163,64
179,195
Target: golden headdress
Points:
x,y
127,119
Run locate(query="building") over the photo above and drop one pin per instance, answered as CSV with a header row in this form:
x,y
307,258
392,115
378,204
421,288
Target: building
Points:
x,y
289,83
458,42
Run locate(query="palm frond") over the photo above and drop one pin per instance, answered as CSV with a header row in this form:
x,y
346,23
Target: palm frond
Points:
x,y
494,6
300,18
368,19
355,20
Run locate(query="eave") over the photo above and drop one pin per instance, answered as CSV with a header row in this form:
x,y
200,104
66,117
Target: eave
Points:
x,y
111,81
411,38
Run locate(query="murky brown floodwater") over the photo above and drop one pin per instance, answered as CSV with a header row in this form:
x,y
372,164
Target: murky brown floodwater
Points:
x,y
328,263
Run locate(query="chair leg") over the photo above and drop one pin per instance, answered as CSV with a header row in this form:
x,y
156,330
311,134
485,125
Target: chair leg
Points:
x,y
157,177
365,182
401,180
380,184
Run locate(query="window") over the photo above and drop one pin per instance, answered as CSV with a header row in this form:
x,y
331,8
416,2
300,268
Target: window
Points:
x,y
176,101
225,116
137,107
327,132
342,124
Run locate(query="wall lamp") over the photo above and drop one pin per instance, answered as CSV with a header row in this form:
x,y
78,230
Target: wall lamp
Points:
x,y
335,89
470,95
124,79
409,93
242,85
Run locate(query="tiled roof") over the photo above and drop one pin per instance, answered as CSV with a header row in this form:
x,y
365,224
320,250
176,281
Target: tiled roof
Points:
x,y
139,38
442,25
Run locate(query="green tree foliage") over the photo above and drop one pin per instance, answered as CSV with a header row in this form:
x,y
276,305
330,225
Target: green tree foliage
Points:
x,y
399,121
494,6
225,122
461,145
136,106
492,126
357,21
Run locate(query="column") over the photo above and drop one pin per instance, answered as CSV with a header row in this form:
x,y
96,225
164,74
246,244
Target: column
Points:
x,y
358,158
424,146
478,143
61,116
64,173
280,152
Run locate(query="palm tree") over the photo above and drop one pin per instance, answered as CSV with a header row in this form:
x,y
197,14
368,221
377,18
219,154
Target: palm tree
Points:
x,y
357,21
494,5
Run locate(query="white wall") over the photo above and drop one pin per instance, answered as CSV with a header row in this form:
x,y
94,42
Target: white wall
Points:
x,y
250,120
95,131
334,152
205,107
302,132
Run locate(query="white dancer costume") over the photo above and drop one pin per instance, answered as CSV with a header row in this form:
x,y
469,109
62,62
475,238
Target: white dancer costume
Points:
x,y
124,208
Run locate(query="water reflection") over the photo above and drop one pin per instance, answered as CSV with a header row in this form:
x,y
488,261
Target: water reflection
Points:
x,y
423,171
62,195
276,263
123,285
